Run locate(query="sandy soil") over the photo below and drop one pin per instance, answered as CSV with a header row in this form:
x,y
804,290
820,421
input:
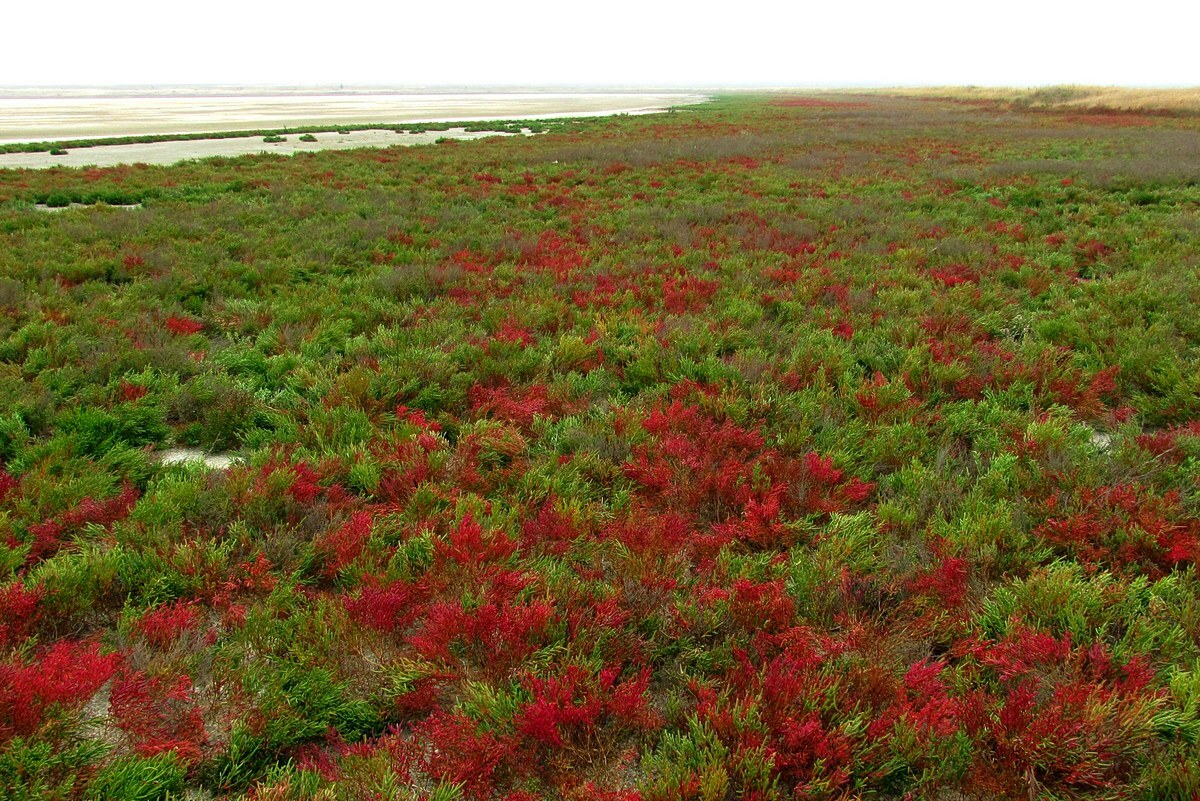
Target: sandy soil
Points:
x,y
172,152
55,209
27,116
218,461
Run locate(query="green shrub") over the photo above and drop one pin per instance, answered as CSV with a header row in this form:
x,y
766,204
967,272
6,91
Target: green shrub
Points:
x,y
33,770
214,411
138,779
96,431
14,435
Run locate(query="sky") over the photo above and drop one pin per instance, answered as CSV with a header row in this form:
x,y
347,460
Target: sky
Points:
x,y
624,43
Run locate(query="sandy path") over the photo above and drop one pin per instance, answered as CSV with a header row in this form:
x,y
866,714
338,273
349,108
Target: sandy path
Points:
x,y
174,152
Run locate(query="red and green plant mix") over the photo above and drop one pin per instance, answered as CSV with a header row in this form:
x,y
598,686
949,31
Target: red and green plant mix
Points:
x,y
775,448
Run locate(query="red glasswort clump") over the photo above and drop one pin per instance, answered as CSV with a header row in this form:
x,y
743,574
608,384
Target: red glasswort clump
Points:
x,y
342,545
159,715
390,608
48,535
497,634
549,531
163,625
8,485
569,707
64,676
305,487
132,392
518,407
19,612
946,581
451,748
469,545
184,325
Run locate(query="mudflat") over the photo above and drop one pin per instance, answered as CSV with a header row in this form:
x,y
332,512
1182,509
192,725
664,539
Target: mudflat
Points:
x,y
173,152
28,115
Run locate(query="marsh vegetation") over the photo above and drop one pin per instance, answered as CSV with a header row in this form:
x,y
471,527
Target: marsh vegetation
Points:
x,y
791,447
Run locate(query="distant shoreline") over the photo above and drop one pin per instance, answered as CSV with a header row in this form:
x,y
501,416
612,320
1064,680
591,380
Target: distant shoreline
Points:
x,y
170,148
73,117
268,90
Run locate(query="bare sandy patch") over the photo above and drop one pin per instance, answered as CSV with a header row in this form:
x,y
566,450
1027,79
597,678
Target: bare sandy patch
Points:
x,y
53,209
217,461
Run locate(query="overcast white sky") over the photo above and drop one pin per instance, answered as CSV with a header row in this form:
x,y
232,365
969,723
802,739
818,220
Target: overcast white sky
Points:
x,y
616,42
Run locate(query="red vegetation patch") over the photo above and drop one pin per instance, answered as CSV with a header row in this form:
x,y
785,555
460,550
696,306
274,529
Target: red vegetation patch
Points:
x,y
64,676
519,407
183,326
47,537
8,485
163,625
19,612
343,545
568,708
159,715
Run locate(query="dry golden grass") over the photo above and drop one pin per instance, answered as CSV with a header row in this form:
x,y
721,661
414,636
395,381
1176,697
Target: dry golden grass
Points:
x,y
1182,99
